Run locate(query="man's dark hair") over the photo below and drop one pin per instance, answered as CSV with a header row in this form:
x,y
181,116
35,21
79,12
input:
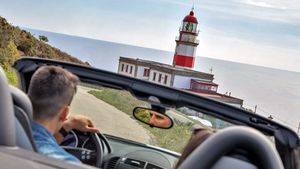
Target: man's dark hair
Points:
x,y
50,89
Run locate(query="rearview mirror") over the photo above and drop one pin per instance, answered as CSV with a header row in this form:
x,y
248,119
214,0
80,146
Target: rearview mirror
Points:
x,y
152,118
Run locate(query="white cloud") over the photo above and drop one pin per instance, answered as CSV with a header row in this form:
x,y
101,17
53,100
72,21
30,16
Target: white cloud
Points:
x,y
185,3
274,4
264,4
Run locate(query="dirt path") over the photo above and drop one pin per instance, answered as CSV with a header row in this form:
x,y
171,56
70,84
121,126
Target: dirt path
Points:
x,y
109,119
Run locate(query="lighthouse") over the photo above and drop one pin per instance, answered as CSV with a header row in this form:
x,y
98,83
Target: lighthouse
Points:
x,y
186,42
180,74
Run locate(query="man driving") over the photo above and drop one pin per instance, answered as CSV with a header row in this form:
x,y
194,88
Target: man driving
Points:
x,y
51,91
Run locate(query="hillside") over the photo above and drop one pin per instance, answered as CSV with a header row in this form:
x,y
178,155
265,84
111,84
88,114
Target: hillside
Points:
x,y
15,43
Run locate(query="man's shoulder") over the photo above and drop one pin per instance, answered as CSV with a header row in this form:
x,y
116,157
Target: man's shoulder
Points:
x,y
40,133
54,150
47,145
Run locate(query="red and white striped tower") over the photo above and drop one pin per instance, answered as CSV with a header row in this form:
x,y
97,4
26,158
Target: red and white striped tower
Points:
x,y
186,43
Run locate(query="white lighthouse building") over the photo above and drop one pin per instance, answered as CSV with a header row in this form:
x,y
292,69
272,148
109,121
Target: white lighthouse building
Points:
x,y
180,73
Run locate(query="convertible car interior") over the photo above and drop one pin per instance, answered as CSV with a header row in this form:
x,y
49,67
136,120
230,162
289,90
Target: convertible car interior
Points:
x,y
144,137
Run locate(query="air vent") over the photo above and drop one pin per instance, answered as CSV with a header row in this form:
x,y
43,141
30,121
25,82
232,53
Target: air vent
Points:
x,y
151,166
111,164
135,163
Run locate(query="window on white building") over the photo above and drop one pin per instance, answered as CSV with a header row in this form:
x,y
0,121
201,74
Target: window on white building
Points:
x,y
214,88
122,67
159,78
166,79
146,72
126,68
154,76
131,69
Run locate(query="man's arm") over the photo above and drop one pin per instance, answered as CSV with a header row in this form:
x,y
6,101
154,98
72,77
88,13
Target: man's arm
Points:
x,y
78,122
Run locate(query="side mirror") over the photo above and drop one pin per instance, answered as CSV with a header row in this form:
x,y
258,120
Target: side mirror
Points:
x,y
152,118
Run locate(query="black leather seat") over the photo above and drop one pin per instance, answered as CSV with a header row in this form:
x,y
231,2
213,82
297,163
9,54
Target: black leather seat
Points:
x,y
12,132
23,111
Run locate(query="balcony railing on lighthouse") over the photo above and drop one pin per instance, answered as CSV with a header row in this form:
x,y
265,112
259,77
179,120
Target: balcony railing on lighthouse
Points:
x,y
191,40
196,31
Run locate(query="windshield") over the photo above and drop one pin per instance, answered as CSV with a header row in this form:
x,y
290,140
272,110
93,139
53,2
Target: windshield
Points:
x,y
244,53
111,110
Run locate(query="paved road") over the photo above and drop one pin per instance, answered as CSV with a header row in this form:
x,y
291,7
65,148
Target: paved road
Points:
x,y
109,119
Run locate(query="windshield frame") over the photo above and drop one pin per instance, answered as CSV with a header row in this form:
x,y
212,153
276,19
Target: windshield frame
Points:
x,y
169,97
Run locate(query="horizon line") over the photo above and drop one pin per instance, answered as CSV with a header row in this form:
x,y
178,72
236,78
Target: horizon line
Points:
x,y
214,58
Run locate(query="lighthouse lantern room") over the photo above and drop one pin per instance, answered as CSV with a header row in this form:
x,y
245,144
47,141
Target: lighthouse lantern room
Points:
x,y
186,43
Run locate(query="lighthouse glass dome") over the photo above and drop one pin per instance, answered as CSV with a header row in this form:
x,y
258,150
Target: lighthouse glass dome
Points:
x,y
189,27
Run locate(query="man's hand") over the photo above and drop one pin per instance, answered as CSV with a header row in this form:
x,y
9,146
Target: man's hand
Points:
x,y
81,123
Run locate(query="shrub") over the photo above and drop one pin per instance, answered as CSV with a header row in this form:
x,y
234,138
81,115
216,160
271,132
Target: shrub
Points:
x,y
43,38
12,76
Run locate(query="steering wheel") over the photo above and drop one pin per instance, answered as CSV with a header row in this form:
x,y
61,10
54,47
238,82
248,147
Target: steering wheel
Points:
x,y
99,149
229,139
87,147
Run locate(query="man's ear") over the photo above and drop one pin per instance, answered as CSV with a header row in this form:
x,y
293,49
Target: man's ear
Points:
x,y
64,113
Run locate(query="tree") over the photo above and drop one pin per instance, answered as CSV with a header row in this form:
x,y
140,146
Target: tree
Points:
x,y
9,54
43,38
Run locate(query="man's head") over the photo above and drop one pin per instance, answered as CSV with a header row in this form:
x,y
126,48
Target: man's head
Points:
x,y
51,91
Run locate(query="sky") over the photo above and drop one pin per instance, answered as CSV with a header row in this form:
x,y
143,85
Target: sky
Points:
x,y
259,32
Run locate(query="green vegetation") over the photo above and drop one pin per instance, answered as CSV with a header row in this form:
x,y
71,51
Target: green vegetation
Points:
x,y
122,100
173,139
143,114
15,43
11,76
43,38
8,55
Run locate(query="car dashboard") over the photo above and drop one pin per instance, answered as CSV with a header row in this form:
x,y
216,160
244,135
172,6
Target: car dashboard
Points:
x,y
131,155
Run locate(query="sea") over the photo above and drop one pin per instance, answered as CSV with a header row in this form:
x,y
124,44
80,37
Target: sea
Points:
x,y
274,92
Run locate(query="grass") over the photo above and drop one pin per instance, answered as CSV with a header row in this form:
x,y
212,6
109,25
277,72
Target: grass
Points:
x,y
122,100
173,139
11,76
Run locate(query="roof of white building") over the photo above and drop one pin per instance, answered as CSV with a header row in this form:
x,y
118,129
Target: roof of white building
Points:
x,y
217,96
203,82
167,68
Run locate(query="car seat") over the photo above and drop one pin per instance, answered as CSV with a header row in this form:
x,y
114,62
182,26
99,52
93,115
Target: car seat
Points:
x,y
23,111
12,132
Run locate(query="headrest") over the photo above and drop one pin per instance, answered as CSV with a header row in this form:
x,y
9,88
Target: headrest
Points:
x,y
7,123
21,100
2,73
